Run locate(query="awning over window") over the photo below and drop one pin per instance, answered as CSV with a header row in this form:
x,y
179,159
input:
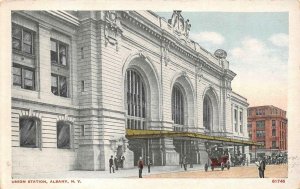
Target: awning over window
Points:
x,y
130,133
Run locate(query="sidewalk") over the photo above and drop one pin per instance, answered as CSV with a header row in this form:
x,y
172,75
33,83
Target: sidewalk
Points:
x,y
121,173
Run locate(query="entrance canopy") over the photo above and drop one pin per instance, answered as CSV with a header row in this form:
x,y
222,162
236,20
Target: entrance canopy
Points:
x,y
131,134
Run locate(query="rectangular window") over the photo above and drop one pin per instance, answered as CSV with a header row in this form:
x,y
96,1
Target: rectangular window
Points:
x,y
59,85
241,122
262,144
23,77
273,144
58,53
82,53
22,39
54,85
82,130
260,134
273,124
63,135
260,125
17,76
29,132
273,132
28,79
82,86
235,121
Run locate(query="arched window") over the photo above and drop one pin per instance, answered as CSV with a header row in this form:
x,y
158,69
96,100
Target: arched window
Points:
x,y
30,132
177,106
207,113
136,100
63,135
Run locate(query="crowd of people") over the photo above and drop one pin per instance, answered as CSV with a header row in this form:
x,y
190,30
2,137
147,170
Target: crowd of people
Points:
x,y
115,163
277,159
239,160
118,162
236,160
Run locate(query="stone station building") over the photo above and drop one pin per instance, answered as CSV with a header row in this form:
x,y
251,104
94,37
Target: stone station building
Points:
x,y
82,79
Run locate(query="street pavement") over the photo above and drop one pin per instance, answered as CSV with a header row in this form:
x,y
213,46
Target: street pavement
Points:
x,y
197,171
121,173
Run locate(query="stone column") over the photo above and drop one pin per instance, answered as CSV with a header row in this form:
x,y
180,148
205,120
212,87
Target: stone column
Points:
x,y
203,154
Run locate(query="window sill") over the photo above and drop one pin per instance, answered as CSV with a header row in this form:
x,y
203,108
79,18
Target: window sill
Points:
x,y
17,87
32,56
60,65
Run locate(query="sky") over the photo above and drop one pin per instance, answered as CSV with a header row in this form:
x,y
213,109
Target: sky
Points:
x,y
257,48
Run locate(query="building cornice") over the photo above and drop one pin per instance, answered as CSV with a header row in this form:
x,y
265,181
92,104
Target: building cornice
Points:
x,y
177,44
63,15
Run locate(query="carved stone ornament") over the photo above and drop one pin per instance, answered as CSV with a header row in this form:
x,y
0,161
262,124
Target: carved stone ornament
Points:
x,y
220,53
228,85
228,95
116,142
180,26
199,71
141,55
166,57
184,74
112,29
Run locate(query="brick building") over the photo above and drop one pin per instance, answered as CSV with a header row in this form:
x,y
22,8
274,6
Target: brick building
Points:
x,y
82,79
267,125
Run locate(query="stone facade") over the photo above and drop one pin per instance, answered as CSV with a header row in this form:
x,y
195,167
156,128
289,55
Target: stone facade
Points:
x,y
101,46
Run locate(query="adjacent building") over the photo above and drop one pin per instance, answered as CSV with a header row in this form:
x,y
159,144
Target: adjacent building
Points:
x,y
82,79
267,125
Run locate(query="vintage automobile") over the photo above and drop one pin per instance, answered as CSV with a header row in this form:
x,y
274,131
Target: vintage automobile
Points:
x,y
218,156
220,162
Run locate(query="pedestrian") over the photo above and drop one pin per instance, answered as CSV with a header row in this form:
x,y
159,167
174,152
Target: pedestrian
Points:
x,y
116,162
262,168
181,161
140,166
111,164
149,163
184,163
191,162
206,167
122,161
257,163
261,164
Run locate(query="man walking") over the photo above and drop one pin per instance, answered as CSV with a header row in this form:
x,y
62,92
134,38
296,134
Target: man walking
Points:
x,y
261,164
148,163
140,166
184,161
262,168
116,162
111,164
122,161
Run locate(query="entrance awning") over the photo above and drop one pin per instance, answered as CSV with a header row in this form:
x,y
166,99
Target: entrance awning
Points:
x,y
131,133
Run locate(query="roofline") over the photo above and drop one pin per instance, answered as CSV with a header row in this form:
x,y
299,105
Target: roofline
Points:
x,y
265,106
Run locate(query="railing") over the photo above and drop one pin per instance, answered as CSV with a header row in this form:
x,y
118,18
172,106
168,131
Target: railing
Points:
x,y
136,123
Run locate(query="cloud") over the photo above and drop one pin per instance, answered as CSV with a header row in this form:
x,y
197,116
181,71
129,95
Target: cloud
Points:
x,y
250,48
208,37
255,53
261,72
280,39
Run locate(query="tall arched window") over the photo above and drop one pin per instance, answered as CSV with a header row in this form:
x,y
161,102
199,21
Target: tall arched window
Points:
x,y
136,100
207,113
177,106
